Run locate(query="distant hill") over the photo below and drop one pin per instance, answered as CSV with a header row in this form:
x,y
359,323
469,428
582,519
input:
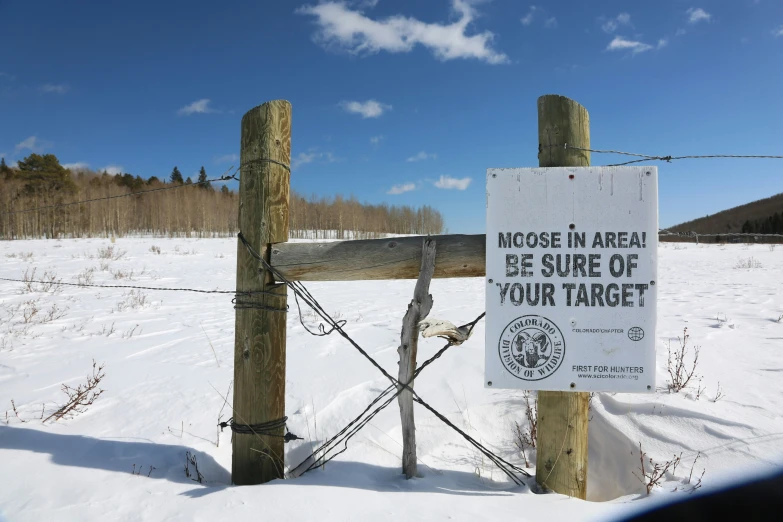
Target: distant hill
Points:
x,y
733,219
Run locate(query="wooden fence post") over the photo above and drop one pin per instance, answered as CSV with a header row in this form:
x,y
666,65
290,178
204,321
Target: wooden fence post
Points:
x,y
561,461
418,309
259,345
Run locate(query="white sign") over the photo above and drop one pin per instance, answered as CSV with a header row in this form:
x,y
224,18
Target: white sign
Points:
x,y
571,278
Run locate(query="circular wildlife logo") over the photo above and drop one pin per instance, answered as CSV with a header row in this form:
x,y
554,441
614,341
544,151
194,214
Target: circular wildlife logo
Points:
x,y
636,333
531,347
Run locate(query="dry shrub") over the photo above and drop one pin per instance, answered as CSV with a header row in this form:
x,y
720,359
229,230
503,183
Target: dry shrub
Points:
x,y
749,262
651,473
525,437
680,371
47,283
111,252
81,397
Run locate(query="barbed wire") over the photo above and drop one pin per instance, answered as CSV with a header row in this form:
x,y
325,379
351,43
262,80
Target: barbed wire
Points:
x,y
647,157
224,177
164,289
715,234
297,287
227,176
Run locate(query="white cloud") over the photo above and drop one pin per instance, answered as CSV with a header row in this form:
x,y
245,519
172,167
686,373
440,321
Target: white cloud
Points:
x,y
197,107
550,23
79,165
421,156
113,169
344,28
697,14
367,109
611,25
304,158
447,182
663,42
528,18
54,88
680,32
376,140
32,144
400,189
778,32
227,158
620,43
14,165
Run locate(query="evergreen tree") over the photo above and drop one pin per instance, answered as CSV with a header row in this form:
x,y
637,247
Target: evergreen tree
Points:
x,y
224,190
44,173
202,178
176,176
777,223
5,170
188,181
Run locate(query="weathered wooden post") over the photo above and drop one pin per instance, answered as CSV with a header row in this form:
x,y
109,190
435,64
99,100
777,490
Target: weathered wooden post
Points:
x,y
259,346
418,309
561,462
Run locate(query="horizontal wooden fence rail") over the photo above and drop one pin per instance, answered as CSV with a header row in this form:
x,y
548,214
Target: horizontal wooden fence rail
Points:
x,y
457,255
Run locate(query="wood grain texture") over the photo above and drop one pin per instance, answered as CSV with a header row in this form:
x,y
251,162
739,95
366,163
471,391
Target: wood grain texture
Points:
x,y
561,459
564,122
418,309
259,348
397,258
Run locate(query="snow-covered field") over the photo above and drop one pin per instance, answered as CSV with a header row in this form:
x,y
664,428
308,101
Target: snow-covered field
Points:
x,y
164,382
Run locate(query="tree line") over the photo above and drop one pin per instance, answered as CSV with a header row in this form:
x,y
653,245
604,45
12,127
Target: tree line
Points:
x,y
195,209
770,225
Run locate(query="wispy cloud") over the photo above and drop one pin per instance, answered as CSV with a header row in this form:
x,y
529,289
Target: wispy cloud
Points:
x,y
79,165
421,156
449,183
197,107
528,18
367,109
113,169
402,188
33,144
778,32
227,158
48,88
620,43
612,24
7,76
680,32
341,27
376,140
303,158
551,23
697,14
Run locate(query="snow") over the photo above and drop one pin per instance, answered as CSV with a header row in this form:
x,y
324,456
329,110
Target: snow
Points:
x,y
164,387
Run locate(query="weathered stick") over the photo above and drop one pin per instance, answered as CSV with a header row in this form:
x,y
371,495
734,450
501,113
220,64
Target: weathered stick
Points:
x,y
561,460
418,309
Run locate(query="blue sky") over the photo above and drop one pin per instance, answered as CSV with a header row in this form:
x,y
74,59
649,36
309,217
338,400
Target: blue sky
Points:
x,y
405,102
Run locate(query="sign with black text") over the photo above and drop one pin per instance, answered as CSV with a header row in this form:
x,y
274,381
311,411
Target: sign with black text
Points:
x,y
571,278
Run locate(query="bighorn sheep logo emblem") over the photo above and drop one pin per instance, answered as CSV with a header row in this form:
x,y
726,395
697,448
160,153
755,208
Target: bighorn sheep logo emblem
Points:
x,y
531,347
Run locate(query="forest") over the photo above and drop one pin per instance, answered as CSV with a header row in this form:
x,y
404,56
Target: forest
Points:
x,y
40,198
